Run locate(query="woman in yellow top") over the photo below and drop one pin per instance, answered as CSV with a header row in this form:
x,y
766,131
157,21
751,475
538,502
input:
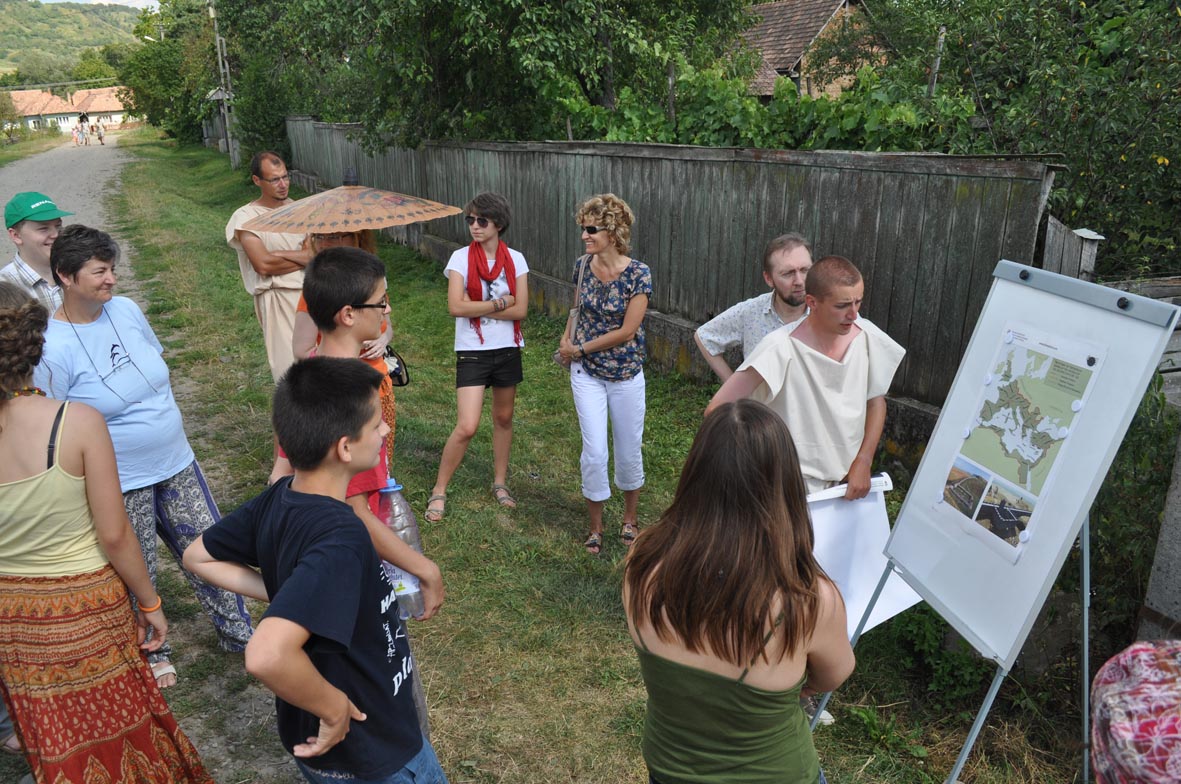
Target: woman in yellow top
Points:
x,y
731,615
82,697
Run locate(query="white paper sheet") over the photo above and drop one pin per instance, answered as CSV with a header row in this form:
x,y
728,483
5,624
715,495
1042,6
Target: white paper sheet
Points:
x,y
850,538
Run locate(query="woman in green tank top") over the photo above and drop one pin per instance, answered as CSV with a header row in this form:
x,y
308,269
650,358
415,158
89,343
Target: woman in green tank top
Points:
x,y
732,617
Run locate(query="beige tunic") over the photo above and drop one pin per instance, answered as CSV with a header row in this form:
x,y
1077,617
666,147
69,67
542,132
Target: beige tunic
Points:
x,y
275,296
823,401
272,241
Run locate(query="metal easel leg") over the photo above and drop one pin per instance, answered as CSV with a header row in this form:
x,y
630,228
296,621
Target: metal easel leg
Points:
x,y
1085,538
977,725
873,600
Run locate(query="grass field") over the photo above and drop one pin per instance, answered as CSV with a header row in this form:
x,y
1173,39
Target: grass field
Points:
x,y
529,672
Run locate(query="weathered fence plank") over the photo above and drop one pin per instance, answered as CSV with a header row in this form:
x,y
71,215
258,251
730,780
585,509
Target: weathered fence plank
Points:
x,y
926,230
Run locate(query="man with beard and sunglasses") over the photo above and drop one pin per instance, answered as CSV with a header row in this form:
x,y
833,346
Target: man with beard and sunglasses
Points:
x,y
786,262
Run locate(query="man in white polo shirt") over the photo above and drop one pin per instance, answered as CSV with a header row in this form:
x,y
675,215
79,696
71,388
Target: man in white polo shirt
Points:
x,y
786,262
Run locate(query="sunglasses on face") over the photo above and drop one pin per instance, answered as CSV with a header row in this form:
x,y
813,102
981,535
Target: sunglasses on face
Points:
x,y
592,230
470,219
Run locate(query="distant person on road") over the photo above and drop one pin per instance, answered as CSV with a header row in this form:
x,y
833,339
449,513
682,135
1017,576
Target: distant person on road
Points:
x,y
71,652
100,350
786,261
732,617
271,263
488,296
334,651
33,222
827,377
101,133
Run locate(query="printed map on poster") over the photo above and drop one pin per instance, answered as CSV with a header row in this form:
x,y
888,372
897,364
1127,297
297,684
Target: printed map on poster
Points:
x,y
1026,415
1028,404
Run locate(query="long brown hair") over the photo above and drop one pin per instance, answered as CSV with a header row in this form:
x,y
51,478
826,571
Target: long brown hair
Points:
x,y
735,544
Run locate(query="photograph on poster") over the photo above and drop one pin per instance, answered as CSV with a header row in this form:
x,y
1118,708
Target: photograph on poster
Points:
x,y
1028,403
1005,512
965,486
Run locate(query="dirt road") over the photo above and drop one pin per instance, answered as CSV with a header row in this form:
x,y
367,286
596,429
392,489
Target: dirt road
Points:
x,y
238,742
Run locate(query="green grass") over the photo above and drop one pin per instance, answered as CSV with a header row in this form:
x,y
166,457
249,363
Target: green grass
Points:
x,y
529,672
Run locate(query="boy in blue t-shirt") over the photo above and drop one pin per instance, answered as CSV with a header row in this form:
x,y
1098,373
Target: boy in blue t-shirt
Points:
x,y
331,645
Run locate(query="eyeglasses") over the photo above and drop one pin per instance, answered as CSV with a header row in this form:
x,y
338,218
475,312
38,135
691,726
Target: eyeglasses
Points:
x,y
592,230
383,304
470,219
277,180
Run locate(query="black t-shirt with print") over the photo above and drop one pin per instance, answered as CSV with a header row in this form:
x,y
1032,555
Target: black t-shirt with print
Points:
x,y
321,572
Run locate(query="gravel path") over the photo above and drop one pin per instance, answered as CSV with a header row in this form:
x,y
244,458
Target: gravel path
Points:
x,y
79,180
240,745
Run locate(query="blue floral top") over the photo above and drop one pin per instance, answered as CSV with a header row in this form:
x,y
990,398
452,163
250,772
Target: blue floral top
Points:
x,y
603,308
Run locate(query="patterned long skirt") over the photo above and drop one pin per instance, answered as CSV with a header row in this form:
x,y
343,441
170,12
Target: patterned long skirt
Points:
x,y
82,697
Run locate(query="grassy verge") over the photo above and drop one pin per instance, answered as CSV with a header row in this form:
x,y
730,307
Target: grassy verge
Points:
x,y
32,146
529,671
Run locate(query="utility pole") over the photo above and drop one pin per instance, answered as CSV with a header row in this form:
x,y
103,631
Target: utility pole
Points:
x,y
225,93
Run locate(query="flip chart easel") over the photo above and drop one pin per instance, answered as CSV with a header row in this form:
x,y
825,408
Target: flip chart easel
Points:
x,y
1047,388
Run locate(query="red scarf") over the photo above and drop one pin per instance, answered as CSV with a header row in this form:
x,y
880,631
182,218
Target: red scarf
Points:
x,y
477,271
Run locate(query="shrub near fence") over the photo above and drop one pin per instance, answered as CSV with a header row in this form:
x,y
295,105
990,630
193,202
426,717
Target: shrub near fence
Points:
x,y
925,230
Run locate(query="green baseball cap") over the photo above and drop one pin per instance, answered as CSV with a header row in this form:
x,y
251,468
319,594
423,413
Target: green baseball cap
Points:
x,y
31,205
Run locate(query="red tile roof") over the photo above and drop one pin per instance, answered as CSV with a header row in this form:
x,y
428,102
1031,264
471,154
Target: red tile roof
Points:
x,y
785,31
100,100
33,103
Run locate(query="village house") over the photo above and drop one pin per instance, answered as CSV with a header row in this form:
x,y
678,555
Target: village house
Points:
x,y
782,36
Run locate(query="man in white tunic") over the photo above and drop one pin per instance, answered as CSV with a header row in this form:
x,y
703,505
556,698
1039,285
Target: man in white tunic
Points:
x,y
827,377
271,263
786,262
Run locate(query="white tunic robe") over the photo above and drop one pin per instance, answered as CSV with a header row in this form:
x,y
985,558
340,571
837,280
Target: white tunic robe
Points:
x,y
823,401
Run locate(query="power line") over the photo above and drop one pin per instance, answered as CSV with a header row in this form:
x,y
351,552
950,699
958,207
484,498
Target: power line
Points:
x,y
57,84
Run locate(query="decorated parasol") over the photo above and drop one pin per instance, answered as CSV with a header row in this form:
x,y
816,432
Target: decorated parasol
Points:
x,y
349,208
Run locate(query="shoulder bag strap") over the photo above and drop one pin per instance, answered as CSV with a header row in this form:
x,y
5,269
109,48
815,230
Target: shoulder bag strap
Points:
x,y
578,295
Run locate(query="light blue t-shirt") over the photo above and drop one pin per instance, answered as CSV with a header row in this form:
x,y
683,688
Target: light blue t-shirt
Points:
x,y
115,365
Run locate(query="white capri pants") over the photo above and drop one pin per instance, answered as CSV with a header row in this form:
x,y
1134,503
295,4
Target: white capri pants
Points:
x,y
624,403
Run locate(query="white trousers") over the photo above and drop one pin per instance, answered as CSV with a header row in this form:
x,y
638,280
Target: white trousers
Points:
x,y
623,402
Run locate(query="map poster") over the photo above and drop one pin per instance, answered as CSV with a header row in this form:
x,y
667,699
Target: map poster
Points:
x,y
1029,399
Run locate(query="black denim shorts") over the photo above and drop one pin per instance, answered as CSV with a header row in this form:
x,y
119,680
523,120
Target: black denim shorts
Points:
x,y
496,367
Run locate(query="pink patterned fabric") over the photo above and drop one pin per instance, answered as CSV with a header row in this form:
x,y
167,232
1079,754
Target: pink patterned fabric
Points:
x,y
1136,715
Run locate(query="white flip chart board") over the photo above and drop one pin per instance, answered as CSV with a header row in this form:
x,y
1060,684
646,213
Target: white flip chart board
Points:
x,y
1043,397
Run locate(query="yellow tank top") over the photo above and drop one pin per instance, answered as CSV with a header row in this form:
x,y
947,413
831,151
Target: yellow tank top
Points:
x,y
46,529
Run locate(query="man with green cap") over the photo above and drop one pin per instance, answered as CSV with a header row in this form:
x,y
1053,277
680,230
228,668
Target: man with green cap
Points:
x,y
33,221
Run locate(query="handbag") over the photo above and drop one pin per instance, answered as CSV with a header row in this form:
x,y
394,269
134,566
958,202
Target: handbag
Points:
x,y
399,374
559,360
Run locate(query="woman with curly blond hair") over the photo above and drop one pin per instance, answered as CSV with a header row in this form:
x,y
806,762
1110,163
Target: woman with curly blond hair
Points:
x,y
606,350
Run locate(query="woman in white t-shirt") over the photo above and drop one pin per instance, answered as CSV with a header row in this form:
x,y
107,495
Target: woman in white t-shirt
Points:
x,y
488,294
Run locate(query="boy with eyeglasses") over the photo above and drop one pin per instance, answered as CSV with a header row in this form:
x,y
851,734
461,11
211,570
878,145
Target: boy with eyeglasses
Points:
x,y
345,289
272,264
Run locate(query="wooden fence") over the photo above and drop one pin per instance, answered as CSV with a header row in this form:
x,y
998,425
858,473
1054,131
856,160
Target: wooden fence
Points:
x,y
925,230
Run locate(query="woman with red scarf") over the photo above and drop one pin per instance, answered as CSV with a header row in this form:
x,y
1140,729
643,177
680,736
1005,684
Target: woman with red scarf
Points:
x,y
488,294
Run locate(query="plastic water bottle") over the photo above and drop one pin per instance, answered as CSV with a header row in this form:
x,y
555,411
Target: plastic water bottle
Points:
x,y
395,512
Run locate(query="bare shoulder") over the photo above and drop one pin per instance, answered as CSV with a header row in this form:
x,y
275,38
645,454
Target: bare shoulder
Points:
x,y
81,415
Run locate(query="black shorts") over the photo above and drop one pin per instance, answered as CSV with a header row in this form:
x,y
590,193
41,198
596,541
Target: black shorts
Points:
x,y
496,367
